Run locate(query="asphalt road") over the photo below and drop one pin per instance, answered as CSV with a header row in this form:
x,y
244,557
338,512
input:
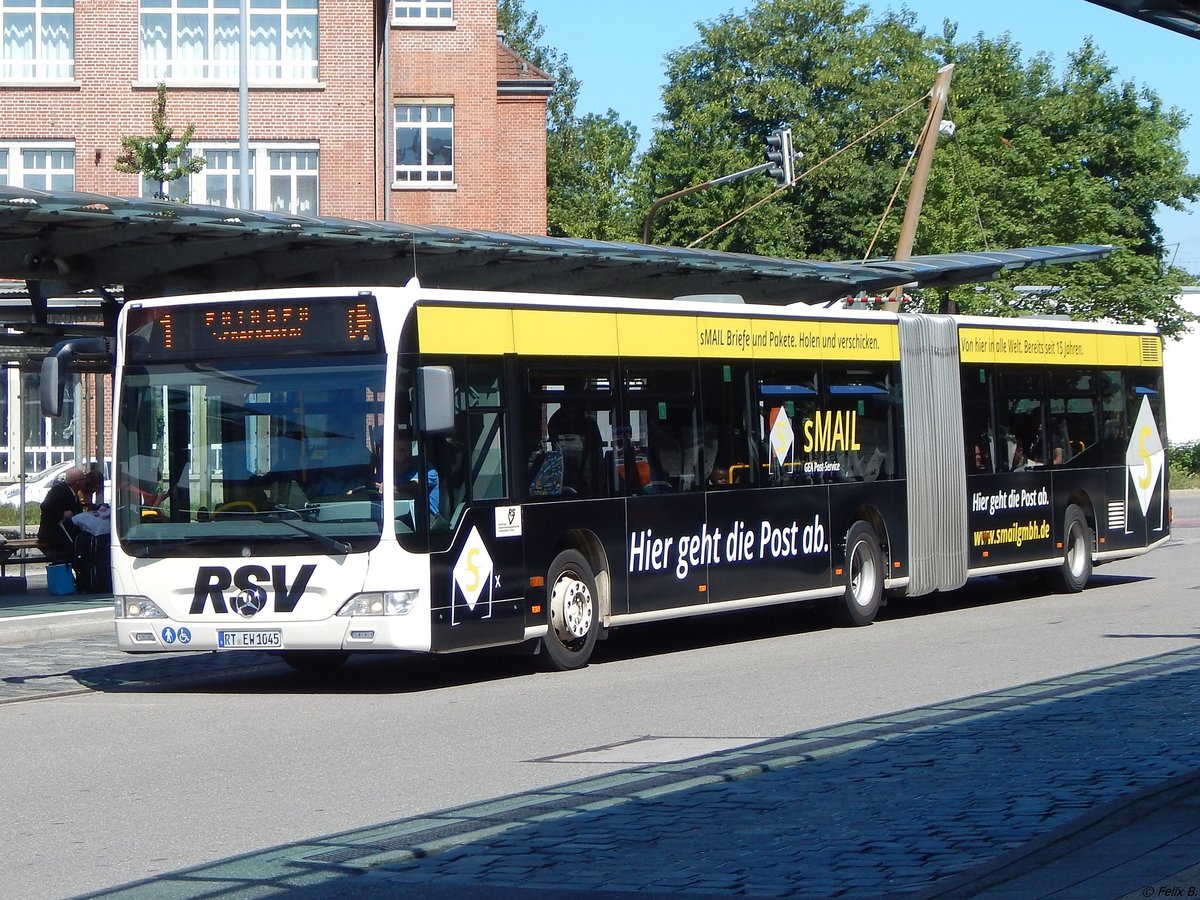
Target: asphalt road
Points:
x,y
117,768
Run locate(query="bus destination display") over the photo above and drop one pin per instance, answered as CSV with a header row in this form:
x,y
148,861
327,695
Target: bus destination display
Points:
x,y
325,325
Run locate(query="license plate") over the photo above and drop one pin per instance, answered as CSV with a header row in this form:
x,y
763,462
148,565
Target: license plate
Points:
x,y
250,640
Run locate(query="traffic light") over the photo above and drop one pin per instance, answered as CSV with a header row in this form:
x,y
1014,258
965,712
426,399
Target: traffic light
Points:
x,y
779,155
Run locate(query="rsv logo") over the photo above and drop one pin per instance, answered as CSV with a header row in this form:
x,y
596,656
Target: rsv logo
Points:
x,y
251,583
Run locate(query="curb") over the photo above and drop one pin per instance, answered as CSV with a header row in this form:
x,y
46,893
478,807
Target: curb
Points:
x,y
1055,845
35,629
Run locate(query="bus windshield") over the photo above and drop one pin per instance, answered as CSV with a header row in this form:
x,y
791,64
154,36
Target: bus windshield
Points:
x,y
279,453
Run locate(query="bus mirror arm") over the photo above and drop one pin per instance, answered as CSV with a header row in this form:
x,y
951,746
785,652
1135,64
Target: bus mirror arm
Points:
x,y
57,365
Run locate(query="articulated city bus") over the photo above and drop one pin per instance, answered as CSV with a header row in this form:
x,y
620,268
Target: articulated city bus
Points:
x,y
323,471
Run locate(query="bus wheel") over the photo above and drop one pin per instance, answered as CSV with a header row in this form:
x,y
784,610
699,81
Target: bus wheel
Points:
x,y
864,577
574,613
314,662
1076,568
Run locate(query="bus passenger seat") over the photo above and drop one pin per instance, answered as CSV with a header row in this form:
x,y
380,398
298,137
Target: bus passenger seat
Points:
x,y
547,474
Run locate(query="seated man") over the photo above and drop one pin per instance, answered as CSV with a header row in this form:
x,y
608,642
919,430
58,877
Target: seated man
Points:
x,y
56,534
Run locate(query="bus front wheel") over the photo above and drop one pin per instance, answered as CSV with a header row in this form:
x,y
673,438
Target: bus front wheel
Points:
x,y
1076,568
864,577
574,612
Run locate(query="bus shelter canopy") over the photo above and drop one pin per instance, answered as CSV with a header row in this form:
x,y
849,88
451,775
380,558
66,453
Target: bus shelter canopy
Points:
x,y
66,244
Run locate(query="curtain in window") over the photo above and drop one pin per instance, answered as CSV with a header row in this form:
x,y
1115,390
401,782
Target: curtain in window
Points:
x,y
58,44
156,47
301,55
18,45
226,46
192,47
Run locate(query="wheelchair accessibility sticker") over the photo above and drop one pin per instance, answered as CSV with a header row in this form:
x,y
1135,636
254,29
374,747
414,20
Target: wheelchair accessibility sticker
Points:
x,y
170,635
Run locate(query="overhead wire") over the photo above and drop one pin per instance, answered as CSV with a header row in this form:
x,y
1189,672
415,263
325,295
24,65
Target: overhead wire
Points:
x,y
775,193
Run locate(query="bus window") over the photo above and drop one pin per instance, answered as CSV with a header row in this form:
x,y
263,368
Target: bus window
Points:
x,y
790,425
1114,433
1073,424
858,425
663,422
568,421
727,424
977,420
1019,414
485,426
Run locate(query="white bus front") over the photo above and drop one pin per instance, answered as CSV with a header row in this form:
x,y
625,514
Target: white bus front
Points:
x,y
253,474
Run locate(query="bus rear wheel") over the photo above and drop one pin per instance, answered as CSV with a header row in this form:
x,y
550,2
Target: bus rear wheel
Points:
x,y
1072,576
864,577
574,613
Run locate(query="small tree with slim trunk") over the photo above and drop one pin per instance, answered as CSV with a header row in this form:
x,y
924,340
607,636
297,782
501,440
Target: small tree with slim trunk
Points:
x,y
159,158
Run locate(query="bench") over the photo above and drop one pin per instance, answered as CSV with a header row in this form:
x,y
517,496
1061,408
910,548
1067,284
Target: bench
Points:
x,y
19,550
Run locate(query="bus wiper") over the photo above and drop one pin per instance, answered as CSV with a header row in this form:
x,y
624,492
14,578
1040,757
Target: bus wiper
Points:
x,y
323,539
157,549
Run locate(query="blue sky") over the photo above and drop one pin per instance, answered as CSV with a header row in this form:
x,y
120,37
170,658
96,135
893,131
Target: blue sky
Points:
x,y
616,49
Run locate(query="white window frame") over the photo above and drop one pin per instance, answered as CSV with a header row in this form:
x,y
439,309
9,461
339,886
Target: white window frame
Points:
x,y
422,13
46,55
284,37
58,172
223,160
421,172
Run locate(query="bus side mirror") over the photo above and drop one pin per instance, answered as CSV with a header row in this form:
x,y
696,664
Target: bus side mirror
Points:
x,y
50,388
57,364
435,393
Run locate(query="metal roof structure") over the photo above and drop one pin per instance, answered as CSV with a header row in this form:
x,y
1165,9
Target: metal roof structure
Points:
x,y
97,248
1182,16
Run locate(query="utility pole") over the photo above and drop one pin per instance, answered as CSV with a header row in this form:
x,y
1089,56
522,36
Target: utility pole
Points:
x,y
244,108
916,191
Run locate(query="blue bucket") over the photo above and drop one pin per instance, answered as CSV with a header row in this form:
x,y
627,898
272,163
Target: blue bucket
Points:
x,y
60,579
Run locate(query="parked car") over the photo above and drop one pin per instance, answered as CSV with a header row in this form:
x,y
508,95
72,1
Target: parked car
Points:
x,y
38,484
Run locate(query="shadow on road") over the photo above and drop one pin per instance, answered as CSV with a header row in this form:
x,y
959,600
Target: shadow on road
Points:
x,y
400,673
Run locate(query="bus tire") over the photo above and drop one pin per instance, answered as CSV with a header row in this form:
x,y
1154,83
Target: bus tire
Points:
x,y
573,610
864,577
315,662
1072,576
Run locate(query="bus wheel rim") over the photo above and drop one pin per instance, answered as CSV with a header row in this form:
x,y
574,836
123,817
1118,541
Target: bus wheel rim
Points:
x,y
571,608
1076,552
862,575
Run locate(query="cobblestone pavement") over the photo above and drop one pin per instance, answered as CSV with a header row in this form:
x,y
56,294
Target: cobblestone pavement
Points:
x,y
76,665
896,804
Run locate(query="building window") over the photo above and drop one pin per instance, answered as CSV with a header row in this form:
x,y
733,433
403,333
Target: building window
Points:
x,y
293,185
38,39
425,143
43,166
422,12
199,40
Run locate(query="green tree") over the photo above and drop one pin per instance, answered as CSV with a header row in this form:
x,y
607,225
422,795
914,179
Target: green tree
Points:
x,y
1039,157
589,159
160,158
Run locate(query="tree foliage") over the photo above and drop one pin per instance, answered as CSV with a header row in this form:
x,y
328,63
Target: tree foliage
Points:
x,y
1042,155
589,159
161,158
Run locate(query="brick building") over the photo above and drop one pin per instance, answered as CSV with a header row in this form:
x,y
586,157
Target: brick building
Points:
x,y
401,110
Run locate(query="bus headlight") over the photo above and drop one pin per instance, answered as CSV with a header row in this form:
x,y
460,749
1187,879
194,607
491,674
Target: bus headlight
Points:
x,y
380,603
131,606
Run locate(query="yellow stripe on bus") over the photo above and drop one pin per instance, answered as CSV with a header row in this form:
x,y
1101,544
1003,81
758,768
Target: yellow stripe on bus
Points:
x,y
546,332
456,329
1042,346
541,332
